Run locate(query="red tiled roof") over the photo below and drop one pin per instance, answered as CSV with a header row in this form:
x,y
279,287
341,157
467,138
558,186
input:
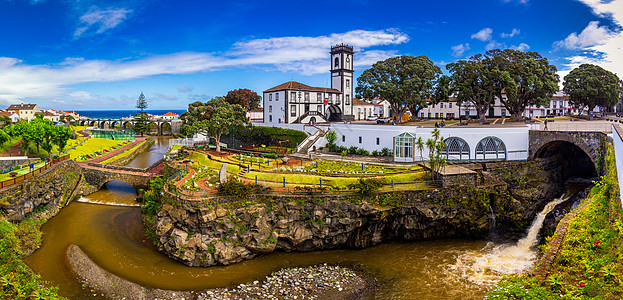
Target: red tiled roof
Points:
x,y
293,85
21,106
6,113
47,113
360,102
169,114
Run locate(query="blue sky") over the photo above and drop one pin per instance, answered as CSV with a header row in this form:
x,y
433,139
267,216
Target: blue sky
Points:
x,y
91,54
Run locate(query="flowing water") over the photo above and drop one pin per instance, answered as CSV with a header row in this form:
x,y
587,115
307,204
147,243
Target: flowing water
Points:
x,y
152,155
485,266
107,226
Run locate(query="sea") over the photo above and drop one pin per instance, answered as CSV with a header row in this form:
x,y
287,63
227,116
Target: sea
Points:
x,y
118,114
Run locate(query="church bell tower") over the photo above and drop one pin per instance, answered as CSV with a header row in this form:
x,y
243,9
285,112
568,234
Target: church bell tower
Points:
x,y
342,77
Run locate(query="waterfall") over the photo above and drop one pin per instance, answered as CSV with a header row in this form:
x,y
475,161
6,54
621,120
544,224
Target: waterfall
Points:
x,y
487,266
491,219
111,203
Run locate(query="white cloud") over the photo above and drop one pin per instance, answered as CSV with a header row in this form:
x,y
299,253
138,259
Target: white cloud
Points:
x,y
101,19
483,35
603,49
458,50
307,55
592,35
166,97
185,89
513,33
494,45
521,47
519,1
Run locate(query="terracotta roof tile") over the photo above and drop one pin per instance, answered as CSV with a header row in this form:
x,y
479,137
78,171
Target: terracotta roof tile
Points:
x,y
21,106
360,102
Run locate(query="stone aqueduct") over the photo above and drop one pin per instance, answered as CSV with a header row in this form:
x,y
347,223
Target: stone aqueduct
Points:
x,y
164,125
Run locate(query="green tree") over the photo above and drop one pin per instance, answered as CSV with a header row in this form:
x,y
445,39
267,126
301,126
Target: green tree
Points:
x,y
591,85
472,82
141,122
67,119
331,136
404,81
60,136
246,98
40,131
419,144
436,160
213,118
4,137
526,78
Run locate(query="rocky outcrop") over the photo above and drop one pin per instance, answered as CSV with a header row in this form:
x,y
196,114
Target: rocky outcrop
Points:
x,y
54,187
221,236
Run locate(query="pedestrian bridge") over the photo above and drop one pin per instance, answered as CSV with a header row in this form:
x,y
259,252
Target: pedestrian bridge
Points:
x,y
99,174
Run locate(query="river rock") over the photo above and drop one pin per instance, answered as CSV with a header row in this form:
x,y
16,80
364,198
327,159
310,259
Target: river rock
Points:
x,y
222,173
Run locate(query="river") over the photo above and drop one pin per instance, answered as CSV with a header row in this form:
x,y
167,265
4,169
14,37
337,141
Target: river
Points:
x,y
107,226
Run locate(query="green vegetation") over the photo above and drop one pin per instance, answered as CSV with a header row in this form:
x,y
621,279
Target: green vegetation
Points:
x,y
91,146
213,119
39,132
591,85
8,144
125,153
239,190
150,206
365,186
17,281
588,265
141,123
295,137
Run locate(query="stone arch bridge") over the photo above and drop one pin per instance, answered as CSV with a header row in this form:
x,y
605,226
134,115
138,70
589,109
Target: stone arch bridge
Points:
x,y
580,148
174,125
97,175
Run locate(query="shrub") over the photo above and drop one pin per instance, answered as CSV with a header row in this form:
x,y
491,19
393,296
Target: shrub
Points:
x,y
352,150
366,186
376,153
239,190
386,152
331,136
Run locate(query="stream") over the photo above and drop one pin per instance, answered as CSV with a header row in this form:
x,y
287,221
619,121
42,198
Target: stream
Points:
x,y
107,226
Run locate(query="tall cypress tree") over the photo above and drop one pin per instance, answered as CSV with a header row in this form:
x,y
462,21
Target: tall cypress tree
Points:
x,y
141,123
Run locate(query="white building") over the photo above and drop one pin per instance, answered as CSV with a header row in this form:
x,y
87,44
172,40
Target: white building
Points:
x,y
462,143
256,115
362,109
167,116
382,108
294,102
25,111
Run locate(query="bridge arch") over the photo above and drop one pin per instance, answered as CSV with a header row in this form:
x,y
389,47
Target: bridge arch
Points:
x,y
165,128
580,152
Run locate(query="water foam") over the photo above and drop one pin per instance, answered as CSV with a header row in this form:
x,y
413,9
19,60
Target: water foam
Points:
x,y
487,266
111,203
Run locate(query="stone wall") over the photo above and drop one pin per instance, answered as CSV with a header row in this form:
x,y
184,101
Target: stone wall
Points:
x,y
7,162
53,187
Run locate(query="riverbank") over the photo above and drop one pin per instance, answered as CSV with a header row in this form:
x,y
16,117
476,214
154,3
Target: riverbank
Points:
x,y
583,262
312,282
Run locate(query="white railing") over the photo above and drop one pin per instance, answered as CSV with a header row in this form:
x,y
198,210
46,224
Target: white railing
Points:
x,y
186,142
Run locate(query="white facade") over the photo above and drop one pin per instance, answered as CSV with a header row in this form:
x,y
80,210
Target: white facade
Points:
x,y
294,102
381,108
362,109
514,139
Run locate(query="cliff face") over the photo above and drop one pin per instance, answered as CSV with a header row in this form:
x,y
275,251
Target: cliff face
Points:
x,y
206,235
220,236
52,187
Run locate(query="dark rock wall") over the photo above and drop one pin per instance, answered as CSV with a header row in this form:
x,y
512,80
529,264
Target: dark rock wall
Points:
x,y
52,187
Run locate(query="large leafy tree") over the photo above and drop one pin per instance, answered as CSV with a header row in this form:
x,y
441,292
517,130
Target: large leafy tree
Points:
x,y
526,78
60,136
404,81
141,122
591,85
472,82
213,118
246,98
40,130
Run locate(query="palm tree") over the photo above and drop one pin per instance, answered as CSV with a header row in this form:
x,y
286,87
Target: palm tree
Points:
x,y
419,143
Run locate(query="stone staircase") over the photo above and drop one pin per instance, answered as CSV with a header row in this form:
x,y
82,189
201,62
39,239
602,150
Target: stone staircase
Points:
x,y
305,146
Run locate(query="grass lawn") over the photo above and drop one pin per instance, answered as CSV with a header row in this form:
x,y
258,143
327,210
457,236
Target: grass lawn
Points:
x,y
123,154
91,146
21,171
8,144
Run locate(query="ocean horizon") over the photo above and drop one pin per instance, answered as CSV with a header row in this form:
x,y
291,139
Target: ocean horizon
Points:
x,y
118,114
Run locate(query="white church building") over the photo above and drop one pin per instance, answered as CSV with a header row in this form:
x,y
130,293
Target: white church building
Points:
x,y
293,102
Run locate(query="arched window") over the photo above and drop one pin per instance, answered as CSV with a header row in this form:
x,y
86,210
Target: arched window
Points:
x,y
491,148
456,148
348,62
337,62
